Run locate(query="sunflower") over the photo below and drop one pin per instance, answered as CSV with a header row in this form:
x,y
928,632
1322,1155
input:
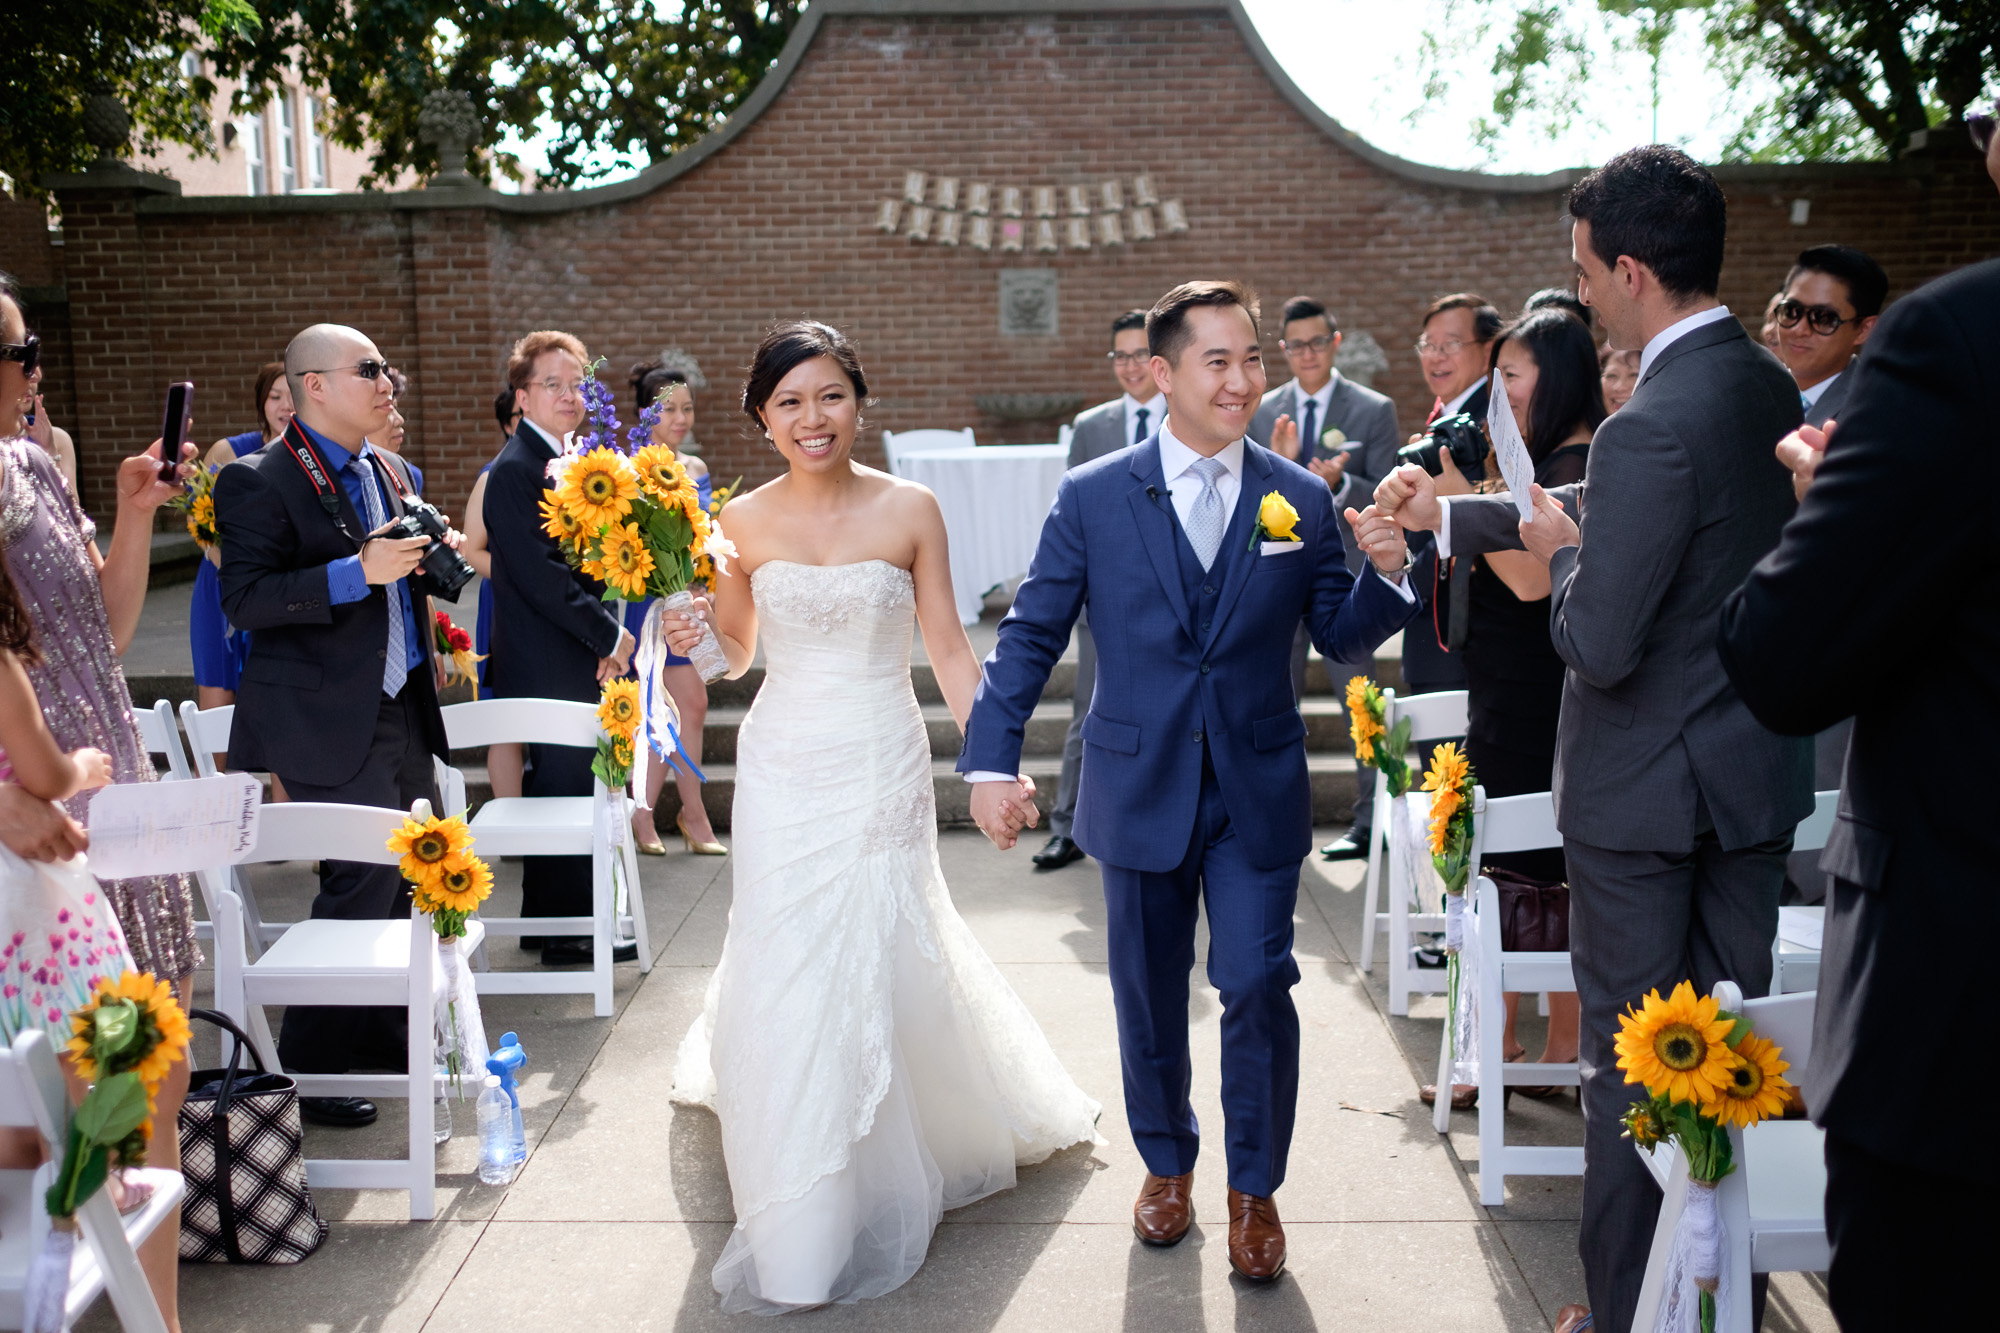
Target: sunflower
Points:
x,y
661,474
621,752
460,890
1643,1125
1677,1047
1448,769
599,488
1361,722
431,849
624,562
559,523
160,1019
1444,808
1755,1087
618,708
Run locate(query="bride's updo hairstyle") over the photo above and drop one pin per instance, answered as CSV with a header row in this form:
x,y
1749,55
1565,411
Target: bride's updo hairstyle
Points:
x,y
787,346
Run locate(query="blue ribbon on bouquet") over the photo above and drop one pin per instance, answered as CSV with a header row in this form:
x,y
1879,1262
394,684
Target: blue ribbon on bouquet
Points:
x,y
656,712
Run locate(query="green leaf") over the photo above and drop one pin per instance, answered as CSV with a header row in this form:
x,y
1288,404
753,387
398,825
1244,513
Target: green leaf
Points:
x,y
112,1109
113,1028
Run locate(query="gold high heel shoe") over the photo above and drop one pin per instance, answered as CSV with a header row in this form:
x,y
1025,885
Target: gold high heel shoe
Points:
x,y
698,848
649,846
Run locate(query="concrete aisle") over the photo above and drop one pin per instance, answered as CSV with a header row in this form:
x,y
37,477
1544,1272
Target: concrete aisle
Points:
x,y
624,1204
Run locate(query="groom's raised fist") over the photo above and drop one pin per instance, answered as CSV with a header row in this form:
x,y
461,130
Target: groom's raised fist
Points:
x,y
1409,495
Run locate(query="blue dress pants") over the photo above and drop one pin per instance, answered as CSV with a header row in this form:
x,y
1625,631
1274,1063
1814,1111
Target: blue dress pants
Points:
x,y
1151,933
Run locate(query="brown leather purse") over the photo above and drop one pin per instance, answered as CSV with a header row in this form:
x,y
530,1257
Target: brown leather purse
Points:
x,y
1534,913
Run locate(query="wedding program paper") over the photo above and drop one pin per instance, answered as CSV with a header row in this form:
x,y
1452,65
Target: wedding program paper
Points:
x,y
1510,448
161,828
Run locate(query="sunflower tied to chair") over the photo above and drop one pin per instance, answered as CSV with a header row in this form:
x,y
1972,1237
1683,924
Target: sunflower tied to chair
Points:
x,y
1704,1070
448,884
1450,781
1375,746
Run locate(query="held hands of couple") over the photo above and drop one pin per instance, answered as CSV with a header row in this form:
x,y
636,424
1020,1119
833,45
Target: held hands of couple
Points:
x,y
1801,452
1003,809
620,660
1409,495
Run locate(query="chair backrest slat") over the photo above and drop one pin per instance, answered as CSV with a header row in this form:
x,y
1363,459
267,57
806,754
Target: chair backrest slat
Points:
x,y
162,737
312,831
1524,823
1432,717
207,733
534,721
1787,1020
896,443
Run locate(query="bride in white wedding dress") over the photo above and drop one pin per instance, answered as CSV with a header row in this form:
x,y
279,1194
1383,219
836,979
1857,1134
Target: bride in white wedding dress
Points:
x,y
869,1064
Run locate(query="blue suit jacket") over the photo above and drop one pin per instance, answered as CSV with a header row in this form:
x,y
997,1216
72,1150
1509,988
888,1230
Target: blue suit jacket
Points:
x,y
1165,689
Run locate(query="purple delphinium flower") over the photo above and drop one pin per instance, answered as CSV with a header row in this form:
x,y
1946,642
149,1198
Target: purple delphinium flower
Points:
x,y
641,435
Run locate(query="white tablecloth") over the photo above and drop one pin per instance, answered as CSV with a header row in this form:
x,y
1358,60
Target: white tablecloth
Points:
x,y
994,499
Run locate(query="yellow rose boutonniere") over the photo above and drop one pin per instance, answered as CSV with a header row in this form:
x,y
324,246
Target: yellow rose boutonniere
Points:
x,y
1276,520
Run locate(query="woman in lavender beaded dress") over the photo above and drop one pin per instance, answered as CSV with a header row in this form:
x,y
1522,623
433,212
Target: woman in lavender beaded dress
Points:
x,y
85,608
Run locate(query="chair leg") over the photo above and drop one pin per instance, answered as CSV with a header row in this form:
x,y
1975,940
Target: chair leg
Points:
x,y
1441,1107
629,859
1399,940
254,935
605,921
1371,897
1492,1015
124,1280
423,1092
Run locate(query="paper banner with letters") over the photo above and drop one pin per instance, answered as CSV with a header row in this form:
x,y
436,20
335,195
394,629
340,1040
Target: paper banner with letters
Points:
x,y
163,828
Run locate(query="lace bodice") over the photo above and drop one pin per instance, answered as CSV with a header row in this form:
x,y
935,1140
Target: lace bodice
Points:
x,y
837,624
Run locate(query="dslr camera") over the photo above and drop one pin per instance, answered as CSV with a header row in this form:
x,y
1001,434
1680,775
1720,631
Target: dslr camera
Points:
x,y
442,571
1460,436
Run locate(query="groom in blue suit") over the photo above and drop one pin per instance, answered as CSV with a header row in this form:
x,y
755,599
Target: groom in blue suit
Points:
x,y
1194,786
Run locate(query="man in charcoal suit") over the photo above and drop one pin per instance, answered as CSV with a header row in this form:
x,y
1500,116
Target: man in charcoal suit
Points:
x,y
1130,418
1819,633
1345,435
339,694
554,637
1675,804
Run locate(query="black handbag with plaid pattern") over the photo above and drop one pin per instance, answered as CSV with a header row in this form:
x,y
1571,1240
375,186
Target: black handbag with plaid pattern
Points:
x,y
243,1156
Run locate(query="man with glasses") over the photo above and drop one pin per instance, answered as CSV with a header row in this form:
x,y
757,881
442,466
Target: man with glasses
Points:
x,y
1131,418
554,637
1831,300
338,697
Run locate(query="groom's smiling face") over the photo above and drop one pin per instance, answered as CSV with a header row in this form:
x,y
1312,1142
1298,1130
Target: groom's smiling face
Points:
x,y
1215,383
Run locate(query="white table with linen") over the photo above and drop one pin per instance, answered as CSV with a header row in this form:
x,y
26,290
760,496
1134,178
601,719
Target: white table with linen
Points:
x,y
994,499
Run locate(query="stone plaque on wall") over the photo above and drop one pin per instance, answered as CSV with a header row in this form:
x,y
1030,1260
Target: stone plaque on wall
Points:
x,y
1028,303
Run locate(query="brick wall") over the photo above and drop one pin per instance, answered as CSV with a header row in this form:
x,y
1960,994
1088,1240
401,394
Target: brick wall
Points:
x,y
779,221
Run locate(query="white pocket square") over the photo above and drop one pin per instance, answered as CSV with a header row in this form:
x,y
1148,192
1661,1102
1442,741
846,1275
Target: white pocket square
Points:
x,y
1279,548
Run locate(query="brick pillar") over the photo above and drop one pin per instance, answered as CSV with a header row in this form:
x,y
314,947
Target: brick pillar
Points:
x,y
459,350
119,390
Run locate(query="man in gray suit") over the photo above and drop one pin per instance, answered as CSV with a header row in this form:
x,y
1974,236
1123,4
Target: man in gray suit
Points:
x,y
1676,806
1345,433
1124,421
1832,298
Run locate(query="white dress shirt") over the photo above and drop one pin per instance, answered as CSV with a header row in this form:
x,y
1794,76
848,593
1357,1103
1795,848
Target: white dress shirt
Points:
x,y
1156,413
1810,397
1306,447
1457,405
1658,343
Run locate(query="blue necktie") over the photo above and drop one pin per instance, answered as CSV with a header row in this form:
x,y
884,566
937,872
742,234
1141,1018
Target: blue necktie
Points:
x,y
1139,431
1805,403
395,667
1308,436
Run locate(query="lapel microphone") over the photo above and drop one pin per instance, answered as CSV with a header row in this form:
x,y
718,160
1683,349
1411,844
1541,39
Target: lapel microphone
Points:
x,y
1153,494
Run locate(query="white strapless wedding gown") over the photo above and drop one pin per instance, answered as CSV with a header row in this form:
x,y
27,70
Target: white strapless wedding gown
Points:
x,y
870,1066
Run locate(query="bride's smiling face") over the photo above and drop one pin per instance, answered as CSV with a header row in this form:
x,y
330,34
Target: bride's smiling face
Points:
x,y
812,415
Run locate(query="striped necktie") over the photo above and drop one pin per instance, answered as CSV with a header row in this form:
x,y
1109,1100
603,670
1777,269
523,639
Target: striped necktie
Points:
x,y
395,666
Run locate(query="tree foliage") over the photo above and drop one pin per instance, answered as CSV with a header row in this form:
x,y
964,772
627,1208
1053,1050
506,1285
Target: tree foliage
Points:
x,y
622,82
1821,78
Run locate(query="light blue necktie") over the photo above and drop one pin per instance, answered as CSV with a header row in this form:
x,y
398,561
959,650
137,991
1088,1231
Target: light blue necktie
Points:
x,y
395,669
1204,520
1805,403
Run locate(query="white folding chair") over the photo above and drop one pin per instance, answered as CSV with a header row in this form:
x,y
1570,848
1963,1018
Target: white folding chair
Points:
x,y
208,736
1795,965
343,963
1773,1205
1506,824
553,826
163,737
32,1096
896,443
1064,434
1433,718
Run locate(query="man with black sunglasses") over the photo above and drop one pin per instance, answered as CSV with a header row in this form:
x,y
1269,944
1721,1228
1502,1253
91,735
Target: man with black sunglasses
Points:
x,y
339,695
1832,297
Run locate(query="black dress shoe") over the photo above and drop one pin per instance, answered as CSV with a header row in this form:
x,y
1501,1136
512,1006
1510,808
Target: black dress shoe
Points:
x,y
530,943
562,950
339,1112
1057,852
1349,846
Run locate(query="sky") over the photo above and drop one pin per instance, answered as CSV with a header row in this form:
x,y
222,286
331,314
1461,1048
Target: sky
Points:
x,y
1359,60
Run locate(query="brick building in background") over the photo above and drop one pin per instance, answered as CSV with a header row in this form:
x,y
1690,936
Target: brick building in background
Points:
x,y
1119,117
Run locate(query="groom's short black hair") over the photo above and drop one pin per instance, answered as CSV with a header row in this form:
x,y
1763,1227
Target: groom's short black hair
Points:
x,y
1661,207
1167,333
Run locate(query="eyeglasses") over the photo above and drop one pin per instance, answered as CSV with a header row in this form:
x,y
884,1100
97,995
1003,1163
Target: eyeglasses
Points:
x,y
1823,319
1319,344
1139,358
560,388
1425,347
1980,124
28,352
369,369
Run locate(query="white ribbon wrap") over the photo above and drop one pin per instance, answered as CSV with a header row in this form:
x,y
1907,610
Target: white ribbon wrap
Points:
x,y
45,1291
461,1029
1694,1264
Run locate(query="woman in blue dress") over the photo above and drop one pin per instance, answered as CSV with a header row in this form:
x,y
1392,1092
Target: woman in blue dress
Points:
x,y
669,382
218,650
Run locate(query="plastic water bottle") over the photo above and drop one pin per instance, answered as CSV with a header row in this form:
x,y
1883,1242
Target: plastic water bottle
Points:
x,y
496,1133
506,1062
441,1113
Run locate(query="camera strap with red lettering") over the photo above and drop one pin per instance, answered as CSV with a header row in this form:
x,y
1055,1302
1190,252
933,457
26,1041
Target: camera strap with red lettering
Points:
x,y
325,489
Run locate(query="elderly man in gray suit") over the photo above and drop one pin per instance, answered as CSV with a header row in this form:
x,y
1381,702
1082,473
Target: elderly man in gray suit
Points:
x,y
1676,806
1124,421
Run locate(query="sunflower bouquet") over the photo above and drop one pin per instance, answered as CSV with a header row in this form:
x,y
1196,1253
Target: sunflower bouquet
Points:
x,y
435,856
1450,781
196,505
1375,746
1704,1070
455,646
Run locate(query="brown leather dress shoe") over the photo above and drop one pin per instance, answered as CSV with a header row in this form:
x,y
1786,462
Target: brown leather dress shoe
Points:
x,y
1256,1237
1573,1319
1165,1209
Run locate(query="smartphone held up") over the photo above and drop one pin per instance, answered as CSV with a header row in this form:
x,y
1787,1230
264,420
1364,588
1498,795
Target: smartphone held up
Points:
x,y
174,429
